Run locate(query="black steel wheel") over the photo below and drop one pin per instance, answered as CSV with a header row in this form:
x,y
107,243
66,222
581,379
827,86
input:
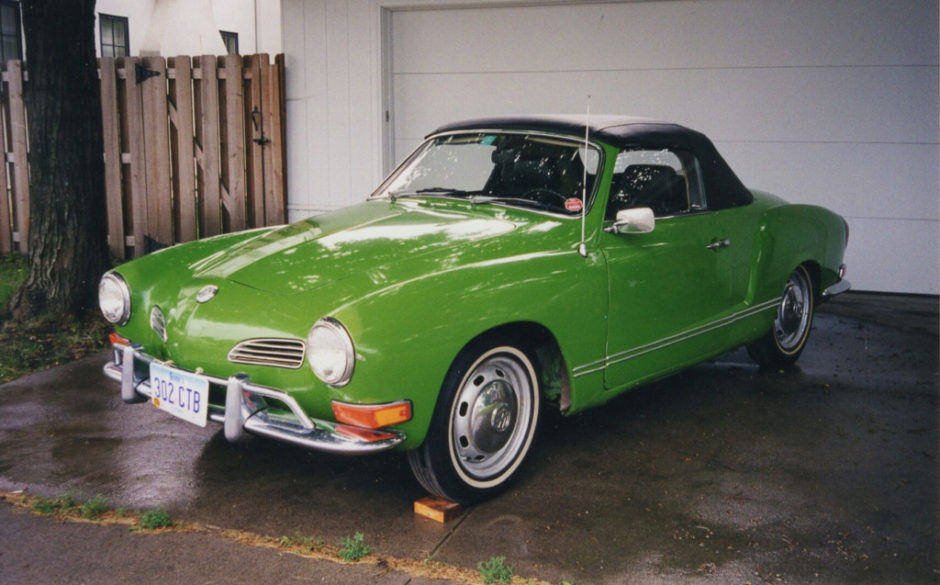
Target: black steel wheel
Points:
x,y
483,425
784,343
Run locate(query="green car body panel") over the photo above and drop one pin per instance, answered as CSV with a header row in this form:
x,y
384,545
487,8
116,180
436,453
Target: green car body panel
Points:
x,y
415,280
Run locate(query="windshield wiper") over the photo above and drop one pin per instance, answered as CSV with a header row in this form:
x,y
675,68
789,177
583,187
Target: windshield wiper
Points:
x,y
439,191
480,200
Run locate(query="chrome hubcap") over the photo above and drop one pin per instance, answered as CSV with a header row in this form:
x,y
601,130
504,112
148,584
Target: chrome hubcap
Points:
x,y
490,417
794,312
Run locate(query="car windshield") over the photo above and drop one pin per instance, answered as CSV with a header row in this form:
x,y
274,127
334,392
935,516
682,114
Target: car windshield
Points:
x,y
534,171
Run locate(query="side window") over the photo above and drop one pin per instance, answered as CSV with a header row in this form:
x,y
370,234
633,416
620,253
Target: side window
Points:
x,y
667,181
11,33
114,37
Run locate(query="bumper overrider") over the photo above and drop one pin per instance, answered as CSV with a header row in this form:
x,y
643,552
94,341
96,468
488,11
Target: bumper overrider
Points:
x,y
246,410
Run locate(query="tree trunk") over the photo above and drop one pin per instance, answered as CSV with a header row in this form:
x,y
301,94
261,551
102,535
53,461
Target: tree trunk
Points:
x,y
67,232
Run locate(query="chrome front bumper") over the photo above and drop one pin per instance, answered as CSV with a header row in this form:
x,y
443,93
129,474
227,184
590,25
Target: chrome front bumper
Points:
x,y
246,411
836,289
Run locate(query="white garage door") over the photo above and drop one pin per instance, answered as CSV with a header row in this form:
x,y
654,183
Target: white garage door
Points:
x,y
827,102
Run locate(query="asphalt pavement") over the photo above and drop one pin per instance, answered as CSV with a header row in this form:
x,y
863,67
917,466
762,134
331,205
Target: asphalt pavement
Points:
x,y
721,474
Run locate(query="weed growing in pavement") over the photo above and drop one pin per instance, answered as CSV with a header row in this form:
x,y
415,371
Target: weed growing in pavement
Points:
x,y
152,519
61,502
45,506
495,570
94,507
352,548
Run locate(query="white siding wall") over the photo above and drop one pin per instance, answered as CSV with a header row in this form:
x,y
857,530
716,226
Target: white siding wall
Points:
x,y
230,15
138,17
833,102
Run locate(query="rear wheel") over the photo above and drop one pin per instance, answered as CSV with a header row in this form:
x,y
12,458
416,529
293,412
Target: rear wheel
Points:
x,y
784,343
483,425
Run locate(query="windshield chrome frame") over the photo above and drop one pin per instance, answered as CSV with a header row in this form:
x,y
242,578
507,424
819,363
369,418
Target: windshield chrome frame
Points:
x,y
576,141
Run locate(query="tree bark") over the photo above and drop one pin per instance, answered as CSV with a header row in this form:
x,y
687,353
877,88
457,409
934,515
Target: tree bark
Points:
x,y
67,231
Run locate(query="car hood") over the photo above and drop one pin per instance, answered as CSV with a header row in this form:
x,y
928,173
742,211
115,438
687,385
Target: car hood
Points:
x,y
311,253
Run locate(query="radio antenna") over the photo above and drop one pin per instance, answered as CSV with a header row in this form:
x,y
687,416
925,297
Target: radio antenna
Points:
x,y
582,247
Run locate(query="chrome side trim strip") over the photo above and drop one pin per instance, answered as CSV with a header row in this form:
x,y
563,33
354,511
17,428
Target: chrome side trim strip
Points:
x,y
628,354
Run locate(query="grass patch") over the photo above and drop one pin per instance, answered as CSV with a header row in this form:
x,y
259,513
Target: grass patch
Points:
x,y
95,507
41,343
61,502
38,344
153,519
13,272
495,570
352,548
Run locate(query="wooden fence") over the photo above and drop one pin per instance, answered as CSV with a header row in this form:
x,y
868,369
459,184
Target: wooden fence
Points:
x,y
193,147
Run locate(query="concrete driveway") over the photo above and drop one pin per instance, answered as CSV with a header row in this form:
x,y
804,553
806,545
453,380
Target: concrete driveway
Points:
x,y
721,474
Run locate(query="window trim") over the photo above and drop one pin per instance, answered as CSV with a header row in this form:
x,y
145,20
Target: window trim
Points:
x,y
226,37
114,19
15,5
691,175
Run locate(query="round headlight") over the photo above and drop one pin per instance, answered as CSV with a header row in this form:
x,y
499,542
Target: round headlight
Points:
x,y
114,298
330,352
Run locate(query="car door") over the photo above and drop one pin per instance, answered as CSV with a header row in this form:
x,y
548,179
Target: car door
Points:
x,y
667,288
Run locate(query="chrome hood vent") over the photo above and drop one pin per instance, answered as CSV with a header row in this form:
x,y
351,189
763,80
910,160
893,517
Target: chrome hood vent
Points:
x,y
277,353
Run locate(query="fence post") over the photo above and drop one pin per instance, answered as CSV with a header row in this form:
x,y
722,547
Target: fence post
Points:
x,y
111,132
137,197
234,160
276,210
182,151
6,225
209,192
20,156
255,149
157,152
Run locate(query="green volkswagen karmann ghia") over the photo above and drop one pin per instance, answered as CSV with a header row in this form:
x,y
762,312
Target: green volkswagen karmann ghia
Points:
x,y
507,266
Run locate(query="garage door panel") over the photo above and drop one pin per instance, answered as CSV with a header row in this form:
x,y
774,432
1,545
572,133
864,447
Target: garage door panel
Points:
x,y
883,255
884,105
841,176
634,35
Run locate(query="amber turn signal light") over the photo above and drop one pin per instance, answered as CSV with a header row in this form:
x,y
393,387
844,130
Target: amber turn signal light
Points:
x,y
372,416
115,338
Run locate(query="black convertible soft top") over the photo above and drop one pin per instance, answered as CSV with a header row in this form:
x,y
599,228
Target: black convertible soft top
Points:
x,y
722,186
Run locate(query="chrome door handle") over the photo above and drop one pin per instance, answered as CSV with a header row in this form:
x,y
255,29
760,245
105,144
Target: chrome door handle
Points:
x,y
719,244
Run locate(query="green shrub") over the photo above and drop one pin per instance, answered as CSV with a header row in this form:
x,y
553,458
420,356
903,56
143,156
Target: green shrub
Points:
x,y
152,519
95,507
61,502
495,570
353,548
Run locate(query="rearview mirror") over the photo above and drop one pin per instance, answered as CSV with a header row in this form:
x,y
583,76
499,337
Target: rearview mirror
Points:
x,y
633,221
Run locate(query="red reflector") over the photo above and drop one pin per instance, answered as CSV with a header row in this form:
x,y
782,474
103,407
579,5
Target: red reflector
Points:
x,y
363,434
372,416
115,338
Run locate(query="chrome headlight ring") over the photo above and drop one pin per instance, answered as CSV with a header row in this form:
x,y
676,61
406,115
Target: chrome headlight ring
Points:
x,y
330,352
114,298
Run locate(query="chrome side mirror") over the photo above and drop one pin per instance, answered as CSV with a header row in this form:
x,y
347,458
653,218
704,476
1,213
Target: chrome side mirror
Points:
x,y
633,221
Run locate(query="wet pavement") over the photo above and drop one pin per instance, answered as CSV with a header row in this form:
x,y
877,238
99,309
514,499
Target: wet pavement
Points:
x,y
721,474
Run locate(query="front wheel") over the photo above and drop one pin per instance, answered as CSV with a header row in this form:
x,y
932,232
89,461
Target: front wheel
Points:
x,y
483,425
784,343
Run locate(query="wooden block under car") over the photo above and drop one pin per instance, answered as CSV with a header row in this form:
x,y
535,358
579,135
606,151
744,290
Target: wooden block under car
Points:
x,y
437,509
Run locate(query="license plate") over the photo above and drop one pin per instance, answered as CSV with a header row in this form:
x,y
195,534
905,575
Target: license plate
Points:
x,y
180,393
